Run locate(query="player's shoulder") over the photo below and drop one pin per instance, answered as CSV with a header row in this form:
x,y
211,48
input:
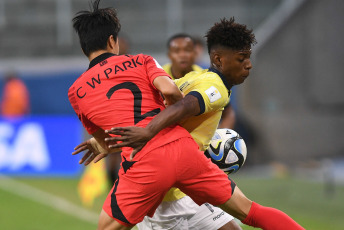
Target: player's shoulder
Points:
x,y
196,67
147,59
77,82
140,56
167,67
204,76
144,56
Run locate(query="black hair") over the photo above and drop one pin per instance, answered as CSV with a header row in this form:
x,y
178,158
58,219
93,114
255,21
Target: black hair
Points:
x,y
229,34
199,41
181,35
95,27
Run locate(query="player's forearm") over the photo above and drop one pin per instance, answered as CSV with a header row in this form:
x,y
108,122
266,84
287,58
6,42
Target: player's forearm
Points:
x,y
183,109
168,89
173,97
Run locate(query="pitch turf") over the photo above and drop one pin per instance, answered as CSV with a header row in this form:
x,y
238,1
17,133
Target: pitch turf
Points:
x,y
306,202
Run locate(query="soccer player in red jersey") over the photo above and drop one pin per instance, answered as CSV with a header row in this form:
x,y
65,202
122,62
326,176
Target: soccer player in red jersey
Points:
x,y
124,90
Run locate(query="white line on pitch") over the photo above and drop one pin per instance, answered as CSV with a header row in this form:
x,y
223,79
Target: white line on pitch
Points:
x,y
47,199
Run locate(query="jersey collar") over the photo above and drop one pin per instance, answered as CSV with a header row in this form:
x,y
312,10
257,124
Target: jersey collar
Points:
x,y
212,69
100,58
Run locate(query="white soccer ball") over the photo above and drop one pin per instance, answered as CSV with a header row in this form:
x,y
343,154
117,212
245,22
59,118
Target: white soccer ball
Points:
x,y
227,150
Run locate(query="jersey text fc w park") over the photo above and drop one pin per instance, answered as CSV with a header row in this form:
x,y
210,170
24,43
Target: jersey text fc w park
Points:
x,y
118,91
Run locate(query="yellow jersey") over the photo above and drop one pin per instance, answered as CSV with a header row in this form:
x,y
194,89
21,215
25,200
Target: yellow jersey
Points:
x,y
168,69
213,95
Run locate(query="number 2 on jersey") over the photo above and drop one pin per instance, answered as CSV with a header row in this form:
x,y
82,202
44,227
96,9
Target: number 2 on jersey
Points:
x,y
135,90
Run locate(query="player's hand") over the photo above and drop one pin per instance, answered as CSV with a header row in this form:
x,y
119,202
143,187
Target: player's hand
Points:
x,y
132,136
92,154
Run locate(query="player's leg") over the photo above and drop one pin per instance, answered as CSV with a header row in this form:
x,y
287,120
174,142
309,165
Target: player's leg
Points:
x,y
255,215
184,213
113,163
208,216
139,189
231,225
238,205
204,182
173,214
107,223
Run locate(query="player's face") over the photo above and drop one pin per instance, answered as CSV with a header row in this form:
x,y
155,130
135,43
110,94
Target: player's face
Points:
x,y
236,65
182,53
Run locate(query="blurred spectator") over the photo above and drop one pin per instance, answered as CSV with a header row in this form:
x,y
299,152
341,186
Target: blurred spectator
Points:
x,y
15,97
200,49
181,52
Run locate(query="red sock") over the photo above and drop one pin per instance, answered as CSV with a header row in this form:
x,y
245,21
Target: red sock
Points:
x,y
270,219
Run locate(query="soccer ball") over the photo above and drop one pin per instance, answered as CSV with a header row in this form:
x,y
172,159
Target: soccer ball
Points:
x,y
227,150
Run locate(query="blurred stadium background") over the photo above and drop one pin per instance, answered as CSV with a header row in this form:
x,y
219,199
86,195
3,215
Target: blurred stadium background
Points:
x,y
290,111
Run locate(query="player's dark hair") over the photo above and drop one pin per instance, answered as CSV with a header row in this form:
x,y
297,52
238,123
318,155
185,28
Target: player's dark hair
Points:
x,y
95,27
180,35
229,34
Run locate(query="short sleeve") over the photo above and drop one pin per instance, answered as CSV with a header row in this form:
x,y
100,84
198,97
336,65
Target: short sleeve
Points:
x,y
154,69
211,96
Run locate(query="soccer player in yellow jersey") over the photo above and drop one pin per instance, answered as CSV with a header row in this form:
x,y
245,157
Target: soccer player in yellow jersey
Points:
x,y
181,52
177,209
206,93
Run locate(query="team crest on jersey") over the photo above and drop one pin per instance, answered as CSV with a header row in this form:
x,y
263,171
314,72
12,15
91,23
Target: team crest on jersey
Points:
x,y
213,94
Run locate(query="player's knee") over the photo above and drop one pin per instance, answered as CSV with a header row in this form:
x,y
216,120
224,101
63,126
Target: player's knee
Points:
x,y
238,205
107,223
103,221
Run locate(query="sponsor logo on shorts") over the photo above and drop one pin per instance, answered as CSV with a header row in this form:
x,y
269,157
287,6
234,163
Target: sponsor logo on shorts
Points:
x,y
218,216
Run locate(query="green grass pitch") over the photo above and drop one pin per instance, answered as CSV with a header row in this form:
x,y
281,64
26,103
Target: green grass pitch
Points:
x,y
306,202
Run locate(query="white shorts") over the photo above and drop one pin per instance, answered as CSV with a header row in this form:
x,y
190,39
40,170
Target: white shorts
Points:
x,y
185,214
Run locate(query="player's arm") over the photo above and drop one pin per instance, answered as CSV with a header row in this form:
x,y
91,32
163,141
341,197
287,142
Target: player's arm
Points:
x,y
168,89
137,137
96,148
227,118
187,107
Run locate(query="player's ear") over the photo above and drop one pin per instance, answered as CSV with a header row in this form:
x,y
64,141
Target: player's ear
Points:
x,y
216,59
112,44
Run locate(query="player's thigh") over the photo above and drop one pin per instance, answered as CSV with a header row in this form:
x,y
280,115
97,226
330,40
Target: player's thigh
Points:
x,y
208,185
209,217
140,188
107,223
179,223
231,225
171,215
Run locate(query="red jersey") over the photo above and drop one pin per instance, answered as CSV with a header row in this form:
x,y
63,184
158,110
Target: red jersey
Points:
x,y
118,91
